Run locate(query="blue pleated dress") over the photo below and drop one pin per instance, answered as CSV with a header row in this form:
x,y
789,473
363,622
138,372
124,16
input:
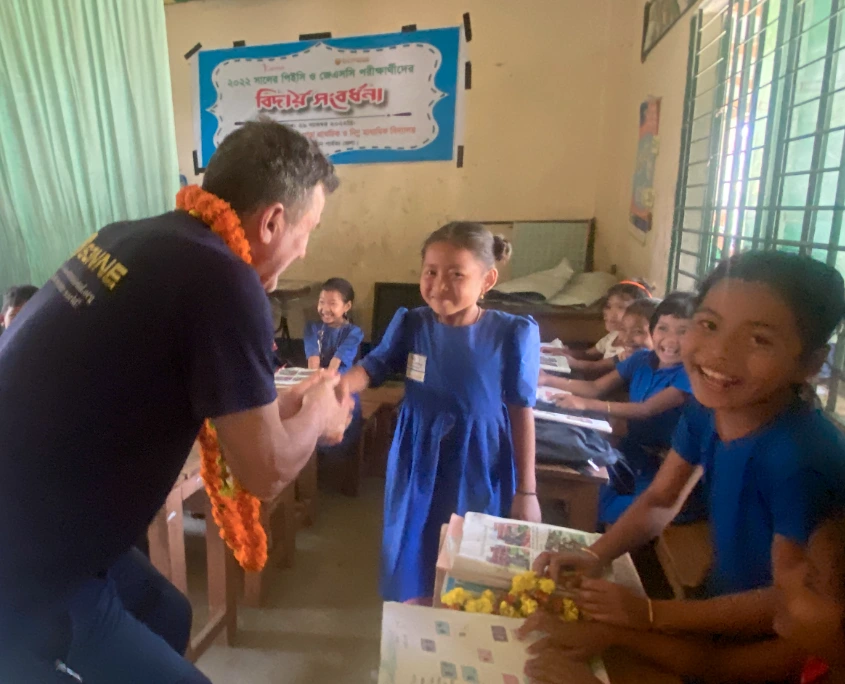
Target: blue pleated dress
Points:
x,y
452,451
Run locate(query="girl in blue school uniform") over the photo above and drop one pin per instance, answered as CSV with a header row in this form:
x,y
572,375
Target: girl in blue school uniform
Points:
x,y
333,343
465,436
773,462
658,388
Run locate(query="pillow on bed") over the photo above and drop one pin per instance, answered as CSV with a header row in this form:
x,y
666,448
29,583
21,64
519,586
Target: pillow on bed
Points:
x,y
546,284
584,289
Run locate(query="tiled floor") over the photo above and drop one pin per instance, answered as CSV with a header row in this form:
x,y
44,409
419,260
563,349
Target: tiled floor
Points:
x,y
322,618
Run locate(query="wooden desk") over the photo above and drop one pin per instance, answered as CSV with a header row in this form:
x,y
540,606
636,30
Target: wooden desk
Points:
x,y
580,492
166,536
571,325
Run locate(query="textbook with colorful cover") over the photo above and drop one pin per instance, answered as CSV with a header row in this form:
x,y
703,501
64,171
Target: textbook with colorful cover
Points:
x,y
487,551
421,645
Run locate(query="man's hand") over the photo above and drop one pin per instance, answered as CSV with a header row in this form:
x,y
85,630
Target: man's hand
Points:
x,y
335,411
290,399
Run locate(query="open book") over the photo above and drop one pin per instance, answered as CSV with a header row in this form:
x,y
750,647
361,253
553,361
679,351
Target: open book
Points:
x,y
489,551
429,645
288,377
556,364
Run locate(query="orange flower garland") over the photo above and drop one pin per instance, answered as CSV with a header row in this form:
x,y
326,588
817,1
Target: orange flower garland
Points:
x,y
235,510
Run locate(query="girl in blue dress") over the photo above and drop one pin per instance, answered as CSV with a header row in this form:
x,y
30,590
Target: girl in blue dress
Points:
x,y
658,388
333,343
465,436
774,463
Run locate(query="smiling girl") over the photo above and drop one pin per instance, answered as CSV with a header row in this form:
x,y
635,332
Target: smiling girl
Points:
x,y
465,437
657,387
773,462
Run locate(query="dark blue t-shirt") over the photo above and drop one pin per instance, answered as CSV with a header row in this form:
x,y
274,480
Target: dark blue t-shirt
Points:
x,y
105,378
329,343
781,479
644,379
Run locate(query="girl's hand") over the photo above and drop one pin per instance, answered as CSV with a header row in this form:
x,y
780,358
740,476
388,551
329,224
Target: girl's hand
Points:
x,y
543,379
555,351
614,604
624,354
553,564
526,508
575,640
570,401
553,667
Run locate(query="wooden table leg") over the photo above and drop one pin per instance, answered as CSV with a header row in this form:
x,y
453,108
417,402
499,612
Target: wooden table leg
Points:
x,y
306,492
222,591
167,542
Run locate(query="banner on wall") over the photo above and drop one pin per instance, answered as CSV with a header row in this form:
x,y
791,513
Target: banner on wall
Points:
x,y
368,99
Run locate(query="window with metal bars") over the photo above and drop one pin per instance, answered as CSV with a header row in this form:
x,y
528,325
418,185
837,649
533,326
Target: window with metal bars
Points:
x,y
763,141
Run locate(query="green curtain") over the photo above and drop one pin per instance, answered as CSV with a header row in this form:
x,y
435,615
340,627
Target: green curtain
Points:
x,y
86,126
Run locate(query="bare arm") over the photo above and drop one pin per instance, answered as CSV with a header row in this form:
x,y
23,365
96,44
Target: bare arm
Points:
x,y
592,389
356,380
314,362
266,453
334,364
522,428
652,511
591,366
661,402
699,657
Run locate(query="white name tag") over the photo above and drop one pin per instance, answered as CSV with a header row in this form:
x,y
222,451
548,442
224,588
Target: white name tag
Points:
x,y
416,367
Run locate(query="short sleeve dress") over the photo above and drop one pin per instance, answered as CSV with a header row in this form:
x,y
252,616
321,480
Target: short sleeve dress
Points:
x,y
452,451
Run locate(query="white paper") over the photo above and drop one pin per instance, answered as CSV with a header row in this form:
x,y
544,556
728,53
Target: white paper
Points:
x,y
580,421
554,344
556,364
288,377
421,645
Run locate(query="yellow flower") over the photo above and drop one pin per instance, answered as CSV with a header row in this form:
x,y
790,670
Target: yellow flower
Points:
x,y
547,586
485,605
472,606
570,611
526,581
507,610
527,606
489,595
457,597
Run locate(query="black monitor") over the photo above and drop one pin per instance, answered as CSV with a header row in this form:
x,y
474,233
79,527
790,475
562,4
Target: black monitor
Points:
x,y
389,297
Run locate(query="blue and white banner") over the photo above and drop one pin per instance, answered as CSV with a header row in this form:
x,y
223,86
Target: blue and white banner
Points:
x,y
368,99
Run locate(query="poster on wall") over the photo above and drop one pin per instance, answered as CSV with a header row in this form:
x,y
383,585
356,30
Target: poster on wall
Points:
x,y
660,16
383,98
642,195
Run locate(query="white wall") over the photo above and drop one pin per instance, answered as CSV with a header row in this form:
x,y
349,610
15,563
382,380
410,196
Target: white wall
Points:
x,y
533,128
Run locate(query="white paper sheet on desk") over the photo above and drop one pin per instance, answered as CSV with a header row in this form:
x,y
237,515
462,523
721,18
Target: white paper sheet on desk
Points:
x,y
581,421
433,645
548,394
557,364
554,344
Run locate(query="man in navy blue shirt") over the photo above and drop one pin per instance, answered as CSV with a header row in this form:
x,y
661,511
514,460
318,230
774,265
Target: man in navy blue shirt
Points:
x,y
161,326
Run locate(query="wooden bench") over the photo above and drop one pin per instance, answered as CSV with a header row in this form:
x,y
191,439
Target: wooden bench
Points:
x,y
166,537
685,553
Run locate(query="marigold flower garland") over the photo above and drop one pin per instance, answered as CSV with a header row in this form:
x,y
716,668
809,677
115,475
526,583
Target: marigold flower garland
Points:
x,y
235,510
527,595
